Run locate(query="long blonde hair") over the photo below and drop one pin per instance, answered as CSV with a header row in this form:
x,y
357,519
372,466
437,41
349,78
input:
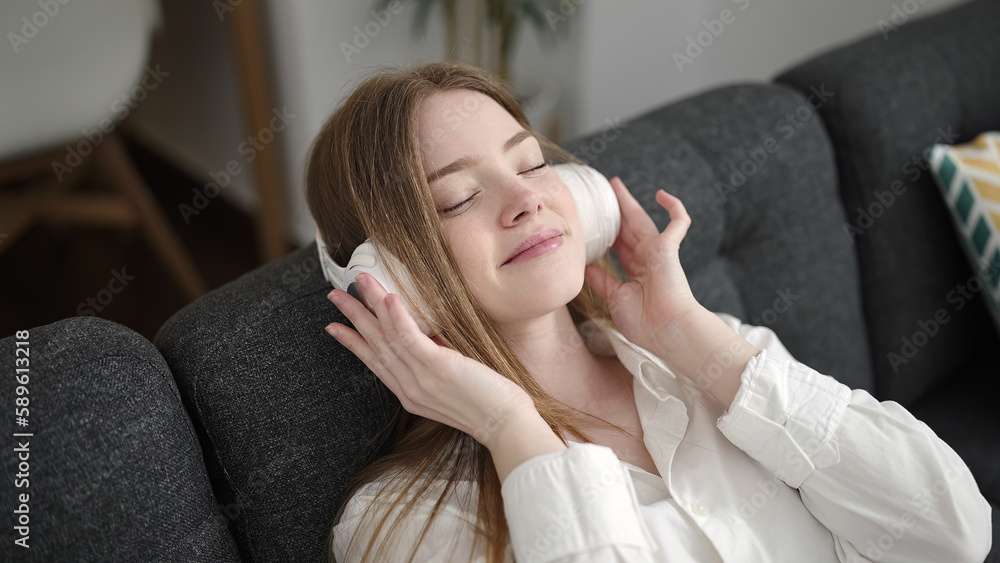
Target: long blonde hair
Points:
x,y
364,179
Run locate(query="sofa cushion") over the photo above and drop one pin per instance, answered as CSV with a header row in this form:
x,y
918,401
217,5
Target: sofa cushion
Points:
x,y
969,178
966,417
932,80
755,170
114,472
282,410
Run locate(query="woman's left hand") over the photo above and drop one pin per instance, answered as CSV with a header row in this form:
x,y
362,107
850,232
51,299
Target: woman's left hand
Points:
x,y
656,300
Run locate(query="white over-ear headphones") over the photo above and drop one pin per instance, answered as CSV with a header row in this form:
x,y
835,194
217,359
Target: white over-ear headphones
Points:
x,y
596,206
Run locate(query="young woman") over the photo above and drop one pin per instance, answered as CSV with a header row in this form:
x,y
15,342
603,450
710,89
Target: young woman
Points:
x,y
557,413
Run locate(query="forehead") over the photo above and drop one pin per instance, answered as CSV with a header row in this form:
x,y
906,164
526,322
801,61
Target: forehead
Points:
x,y
456,123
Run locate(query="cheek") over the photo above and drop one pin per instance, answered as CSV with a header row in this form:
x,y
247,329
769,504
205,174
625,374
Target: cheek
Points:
x,y
568,212
470,249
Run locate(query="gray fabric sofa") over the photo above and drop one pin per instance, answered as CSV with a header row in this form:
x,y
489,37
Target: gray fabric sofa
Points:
x,y
233,436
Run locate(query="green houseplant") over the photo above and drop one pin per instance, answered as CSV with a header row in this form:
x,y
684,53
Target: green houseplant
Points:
x,y
484,32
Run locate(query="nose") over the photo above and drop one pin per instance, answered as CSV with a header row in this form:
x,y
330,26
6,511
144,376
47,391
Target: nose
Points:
x,y
521,205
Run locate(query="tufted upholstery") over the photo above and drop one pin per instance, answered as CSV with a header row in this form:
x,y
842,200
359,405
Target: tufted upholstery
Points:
x,y
933,81
760,233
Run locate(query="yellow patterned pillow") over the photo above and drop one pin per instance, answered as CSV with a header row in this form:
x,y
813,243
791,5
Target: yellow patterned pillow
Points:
x,y
969,178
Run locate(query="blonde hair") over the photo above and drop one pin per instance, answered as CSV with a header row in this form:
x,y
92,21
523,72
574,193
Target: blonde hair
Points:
x,y
364,179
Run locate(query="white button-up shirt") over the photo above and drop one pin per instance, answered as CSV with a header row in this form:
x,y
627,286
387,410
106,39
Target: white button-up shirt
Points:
x,y
799,468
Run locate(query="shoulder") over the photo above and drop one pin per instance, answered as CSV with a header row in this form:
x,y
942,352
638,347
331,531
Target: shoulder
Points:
x,y
378,507
380,496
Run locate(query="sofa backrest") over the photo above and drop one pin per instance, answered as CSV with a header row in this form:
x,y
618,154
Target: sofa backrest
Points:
x,y
755,170
283,411
893,94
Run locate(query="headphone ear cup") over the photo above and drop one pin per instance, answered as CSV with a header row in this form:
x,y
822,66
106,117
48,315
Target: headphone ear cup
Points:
x,y
367,258
596,205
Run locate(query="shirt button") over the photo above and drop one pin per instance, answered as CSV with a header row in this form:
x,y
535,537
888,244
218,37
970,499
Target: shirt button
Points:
x,y
699,508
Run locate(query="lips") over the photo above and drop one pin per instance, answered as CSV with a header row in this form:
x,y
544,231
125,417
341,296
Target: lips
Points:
x,y
538,243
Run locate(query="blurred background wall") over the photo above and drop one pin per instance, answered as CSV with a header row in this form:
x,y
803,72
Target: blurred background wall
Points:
x,y
618,59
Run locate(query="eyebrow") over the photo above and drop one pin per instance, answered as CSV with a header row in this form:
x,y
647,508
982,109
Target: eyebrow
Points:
x,y
467,161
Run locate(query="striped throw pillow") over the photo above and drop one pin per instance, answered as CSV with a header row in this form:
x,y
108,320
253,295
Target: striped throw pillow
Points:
x,y
969,178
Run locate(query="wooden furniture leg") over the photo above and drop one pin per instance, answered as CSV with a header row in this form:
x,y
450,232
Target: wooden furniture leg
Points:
x,y
113,160
251,59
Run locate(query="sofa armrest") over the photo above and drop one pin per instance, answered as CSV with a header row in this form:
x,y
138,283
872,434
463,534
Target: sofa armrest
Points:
x,y
112,468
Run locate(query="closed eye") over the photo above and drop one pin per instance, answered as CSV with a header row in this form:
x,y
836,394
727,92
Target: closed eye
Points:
x,y
462,203
457,205
539,167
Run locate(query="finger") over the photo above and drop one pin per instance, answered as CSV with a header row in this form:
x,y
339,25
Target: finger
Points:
x,y
680,221
355,311
374,294
636,223
411,346
625,258
395,337
353,341
370,327
626,235
402,331
423,351
602,283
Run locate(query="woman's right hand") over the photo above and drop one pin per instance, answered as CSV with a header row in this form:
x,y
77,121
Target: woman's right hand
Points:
x,y
430,380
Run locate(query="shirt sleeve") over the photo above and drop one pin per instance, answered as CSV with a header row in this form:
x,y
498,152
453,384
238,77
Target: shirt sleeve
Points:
x,y
575,505
880,480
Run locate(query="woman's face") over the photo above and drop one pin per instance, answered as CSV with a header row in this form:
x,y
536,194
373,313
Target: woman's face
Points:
x,y
495,198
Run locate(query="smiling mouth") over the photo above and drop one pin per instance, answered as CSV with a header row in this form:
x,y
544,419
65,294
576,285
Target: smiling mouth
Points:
x,y
536,245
